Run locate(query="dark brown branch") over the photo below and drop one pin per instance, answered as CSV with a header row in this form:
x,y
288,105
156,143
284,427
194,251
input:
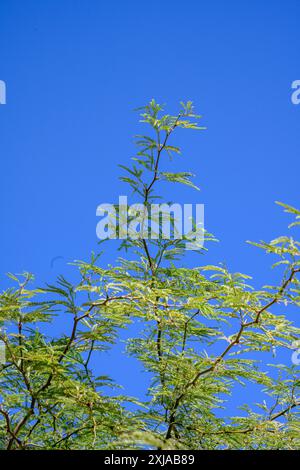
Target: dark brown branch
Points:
x,y
236,340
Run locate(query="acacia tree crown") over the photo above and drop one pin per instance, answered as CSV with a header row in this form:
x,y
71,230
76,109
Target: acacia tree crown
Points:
x,y
203,330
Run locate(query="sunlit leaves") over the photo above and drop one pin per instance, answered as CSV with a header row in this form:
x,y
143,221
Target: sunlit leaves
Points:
x,y
198,333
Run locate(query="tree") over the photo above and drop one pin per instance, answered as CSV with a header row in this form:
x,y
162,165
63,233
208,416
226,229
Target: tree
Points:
x,y
203,330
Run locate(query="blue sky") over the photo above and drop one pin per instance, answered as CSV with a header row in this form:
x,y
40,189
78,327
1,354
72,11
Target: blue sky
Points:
x,y
75,71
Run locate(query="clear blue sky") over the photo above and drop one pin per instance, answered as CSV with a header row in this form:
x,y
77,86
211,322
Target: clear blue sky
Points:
x,y
74,72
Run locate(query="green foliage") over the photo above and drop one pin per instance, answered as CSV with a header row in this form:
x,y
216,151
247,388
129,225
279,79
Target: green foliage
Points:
x,y
204,331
